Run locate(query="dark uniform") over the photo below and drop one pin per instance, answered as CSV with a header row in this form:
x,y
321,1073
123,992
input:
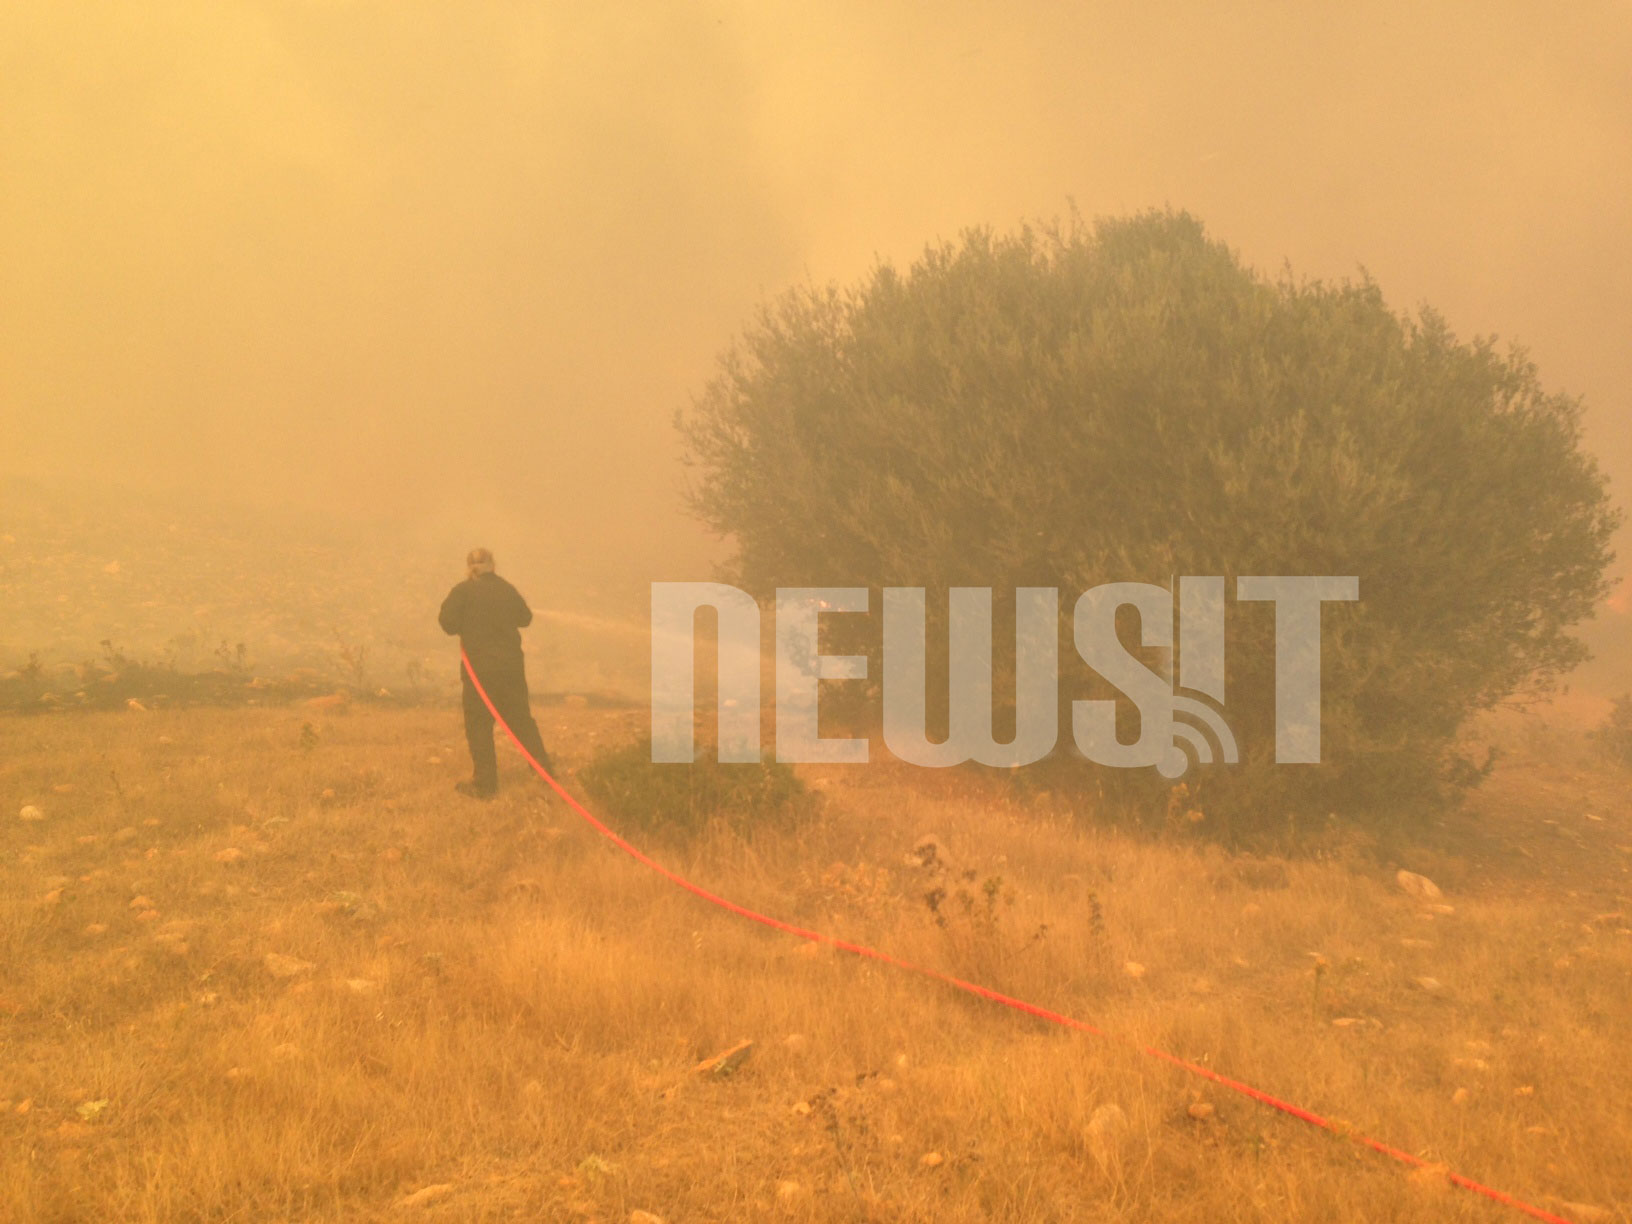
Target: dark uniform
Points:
x,y
488,614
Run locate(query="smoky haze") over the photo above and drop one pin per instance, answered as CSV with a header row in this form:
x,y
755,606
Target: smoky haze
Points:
x,y
451,268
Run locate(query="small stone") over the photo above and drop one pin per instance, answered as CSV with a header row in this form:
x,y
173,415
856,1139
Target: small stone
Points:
x,y
1105,1129
801,1109
1133,969
230,855
147,915
281,966
637,1216
1436,1176
29,812
725,1062
364,986
1346,1022
931,1160
1428,984
796,1043
789,1194
1419,886
426,1195
1459,1096
1200,1111
93,929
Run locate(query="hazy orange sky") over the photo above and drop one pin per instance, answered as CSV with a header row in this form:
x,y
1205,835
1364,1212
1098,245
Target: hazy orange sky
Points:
x,y
457,264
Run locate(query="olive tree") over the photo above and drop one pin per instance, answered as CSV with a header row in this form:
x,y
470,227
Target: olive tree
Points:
x,y
1073,404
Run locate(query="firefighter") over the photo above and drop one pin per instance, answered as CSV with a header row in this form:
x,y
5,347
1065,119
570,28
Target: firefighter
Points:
x,y
488,614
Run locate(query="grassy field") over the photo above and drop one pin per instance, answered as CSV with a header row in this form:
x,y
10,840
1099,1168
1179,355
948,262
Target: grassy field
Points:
x,y
251,974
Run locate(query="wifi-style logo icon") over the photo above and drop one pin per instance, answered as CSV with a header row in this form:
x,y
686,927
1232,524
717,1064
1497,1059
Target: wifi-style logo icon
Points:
x,y
1200,736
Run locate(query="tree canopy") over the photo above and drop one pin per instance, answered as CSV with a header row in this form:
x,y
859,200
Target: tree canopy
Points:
x,y
1073,404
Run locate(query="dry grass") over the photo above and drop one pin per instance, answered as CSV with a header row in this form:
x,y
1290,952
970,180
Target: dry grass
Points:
x,y
499,1005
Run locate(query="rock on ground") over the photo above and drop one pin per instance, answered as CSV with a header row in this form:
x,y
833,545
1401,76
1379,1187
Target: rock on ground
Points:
x,y
1419,886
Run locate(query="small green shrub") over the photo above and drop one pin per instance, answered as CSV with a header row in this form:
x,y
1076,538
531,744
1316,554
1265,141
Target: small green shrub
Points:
x,y
637,794
1614,738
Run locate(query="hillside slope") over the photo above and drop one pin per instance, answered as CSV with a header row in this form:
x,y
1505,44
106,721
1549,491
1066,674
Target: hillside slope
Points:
x,y
251,975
